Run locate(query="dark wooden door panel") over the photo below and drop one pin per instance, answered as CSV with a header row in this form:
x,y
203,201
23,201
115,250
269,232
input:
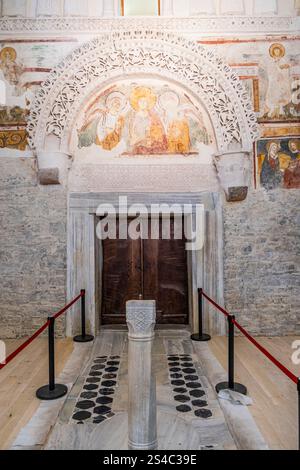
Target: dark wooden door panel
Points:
x,y
121,278
165,278
157,269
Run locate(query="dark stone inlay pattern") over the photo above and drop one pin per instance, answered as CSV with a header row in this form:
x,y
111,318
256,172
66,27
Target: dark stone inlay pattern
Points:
x,y
85,404
104,400
108,383
189,370
99,419
186,387
97,392
88,395
79,415
106,391
203,413
182,398
180,390
193,385
90,387
197,393
177,382
93,379
191,377
199,403
102,409
176,376
183,408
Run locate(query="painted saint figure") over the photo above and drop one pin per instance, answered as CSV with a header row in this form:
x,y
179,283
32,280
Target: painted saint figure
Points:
x,y
146,131
274,166
104,126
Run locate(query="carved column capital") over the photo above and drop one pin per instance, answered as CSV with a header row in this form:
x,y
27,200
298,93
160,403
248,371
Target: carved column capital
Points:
x,y
140,318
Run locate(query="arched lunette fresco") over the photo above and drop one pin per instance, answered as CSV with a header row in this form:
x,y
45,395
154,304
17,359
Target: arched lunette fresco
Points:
x,y
146,53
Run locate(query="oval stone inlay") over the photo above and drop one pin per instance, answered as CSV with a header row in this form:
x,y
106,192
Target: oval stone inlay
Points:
x,y
203,413
109,376
173,358
197,393
176,376
102,409
99,361
111,369
99,419
177,382
108,383
95,373
79,415
189,370
106,391
175,369
85,404
113,363
182,398
98,367
191,377
187,364
93,379
183,408
104,400
199,403
180,390
193,385
88,395
90,386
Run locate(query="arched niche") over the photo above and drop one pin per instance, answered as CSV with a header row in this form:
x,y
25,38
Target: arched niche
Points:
x,y
145,53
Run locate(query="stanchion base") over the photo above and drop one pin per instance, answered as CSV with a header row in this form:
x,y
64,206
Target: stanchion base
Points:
x,y
44,393
236,387
203,337
83,339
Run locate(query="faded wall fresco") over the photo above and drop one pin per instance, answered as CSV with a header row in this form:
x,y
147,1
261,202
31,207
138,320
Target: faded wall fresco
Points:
x,y
143,118
278,163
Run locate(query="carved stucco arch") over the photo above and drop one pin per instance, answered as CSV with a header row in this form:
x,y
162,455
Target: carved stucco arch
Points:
x,y
109,56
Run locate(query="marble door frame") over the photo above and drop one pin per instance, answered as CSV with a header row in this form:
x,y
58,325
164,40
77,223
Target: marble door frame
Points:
x,y
205,267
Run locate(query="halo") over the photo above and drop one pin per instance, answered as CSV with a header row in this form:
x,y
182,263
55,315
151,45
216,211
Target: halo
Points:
x,y
275,46
10,50
166,97
113,95
268,145
142,92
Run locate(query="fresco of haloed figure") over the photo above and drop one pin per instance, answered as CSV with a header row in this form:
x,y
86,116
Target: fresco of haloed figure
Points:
x,y
144,120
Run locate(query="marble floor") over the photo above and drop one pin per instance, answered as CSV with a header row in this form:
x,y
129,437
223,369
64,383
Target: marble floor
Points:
x,y
94,414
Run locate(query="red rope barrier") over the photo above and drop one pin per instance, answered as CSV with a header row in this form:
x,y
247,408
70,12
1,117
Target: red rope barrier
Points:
x,y
26,343
60,312
216,305
39,331
280,366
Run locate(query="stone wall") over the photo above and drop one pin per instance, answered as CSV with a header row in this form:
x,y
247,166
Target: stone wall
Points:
x,y
32,250
262,261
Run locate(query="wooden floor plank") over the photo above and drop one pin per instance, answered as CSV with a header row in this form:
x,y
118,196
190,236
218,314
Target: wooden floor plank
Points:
x,y
19,381
274,394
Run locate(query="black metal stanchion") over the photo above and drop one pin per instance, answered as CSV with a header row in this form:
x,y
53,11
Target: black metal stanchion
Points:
x,y
231,384
83,338
200,336
52,390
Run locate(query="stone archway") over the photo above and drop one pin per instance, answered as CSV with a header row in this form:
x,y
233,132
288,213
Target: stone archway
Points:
x,y
110,56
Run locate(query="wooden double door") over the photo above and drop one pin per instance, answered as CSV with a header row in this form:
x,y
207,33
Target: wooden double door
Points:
x,y
151,269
